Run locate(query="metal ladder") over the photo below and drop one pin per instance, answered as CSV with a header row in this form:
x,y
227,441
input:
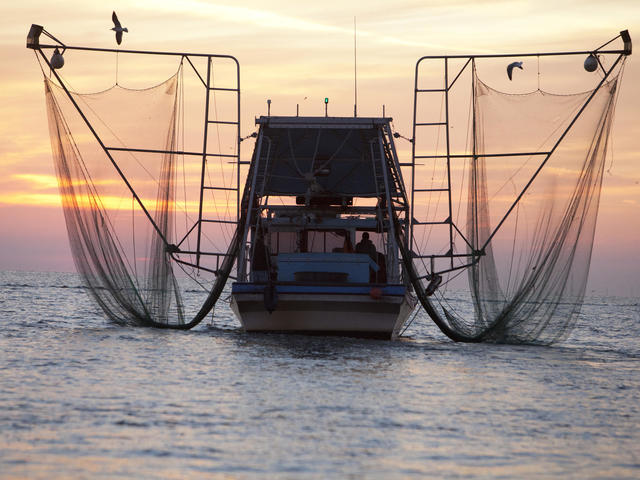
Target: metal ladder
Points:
x,y
450,254
205,155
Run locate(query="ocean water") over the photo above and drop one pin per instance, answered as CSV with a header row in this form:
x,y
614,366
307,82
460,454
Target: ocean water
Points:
x,y
82,398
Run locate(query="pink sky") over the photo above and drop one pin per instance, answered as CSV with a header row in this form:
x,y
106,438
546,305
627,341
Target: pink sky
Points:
x,y
294,52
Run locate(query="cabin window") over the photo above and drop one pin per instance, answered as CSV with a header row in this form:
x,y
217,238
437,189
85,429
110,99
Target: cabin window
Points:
x,y
305,241
318,241
283,242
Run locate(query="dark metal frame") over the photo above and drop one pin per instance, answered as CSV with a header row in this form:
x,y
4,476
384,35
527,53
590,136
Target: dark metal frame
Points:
x,y
33,42
477,253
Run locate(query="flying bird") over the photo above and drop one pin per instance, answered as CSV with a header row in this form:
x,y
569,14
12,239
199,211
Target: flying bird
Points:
x,y
118,28
511,66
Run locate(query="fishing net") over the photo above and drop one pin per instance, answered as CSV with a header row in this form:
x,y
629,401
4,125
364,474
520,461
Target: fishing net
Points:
x,y
532,184
123,213
533,291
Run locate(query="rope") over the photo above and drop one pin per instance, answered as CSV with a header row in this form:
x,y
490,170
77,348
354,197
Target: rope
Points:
x,y
408,324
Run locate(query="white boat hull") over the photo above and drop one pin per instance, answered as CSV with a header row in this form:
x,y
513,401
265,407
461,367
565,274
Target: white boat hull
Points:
x,y
348,314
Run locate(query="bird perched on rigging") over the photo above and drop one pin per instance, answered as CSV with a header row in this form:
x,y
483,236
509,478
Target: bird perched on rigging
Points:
x,y
511,66
118,28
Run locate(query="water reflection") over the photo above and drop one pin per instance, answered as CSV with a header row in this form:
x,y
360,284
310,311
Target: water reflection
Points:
x,y
83,398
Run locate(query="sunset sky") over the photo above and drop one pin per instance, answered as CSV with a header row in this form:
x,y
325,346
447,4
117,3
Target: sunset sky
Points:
x,y
296,52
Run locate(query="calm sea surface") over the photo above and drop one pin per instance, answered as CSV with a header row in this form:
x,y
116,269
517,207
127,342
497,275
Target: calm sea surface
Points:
x,y
82,398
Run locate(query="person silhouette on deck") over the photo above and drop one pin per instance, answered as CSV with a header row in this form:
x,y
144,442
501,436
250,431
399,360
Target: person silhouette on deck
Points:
x,y
366,246
260,261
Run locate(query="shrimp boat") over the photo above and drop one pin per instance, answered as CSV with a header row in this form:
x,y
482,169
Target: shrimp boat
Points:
x,y
318,232
321,253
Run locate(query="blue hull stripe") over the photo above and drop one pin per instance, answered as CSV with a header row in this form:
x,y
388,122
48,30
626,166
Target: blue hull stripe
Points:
x,y
326,289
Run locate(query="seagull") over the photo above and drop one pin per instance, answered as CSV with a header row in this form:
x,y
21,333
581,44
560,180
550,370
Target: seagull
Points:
x,y
118,28
510,67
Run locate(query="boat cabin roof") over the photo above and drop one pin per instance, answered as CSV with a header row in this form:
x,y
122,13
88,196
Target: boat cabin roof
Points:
x,y
321,156
323,122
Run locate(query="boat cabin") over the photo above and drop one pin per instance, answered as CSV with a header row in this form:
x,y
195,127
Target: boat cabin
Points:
x,y
321,207
326,210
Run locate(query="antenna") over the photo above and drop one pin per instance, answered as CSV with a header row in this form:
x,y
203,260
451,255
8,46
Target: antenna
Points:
x,y
355,71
